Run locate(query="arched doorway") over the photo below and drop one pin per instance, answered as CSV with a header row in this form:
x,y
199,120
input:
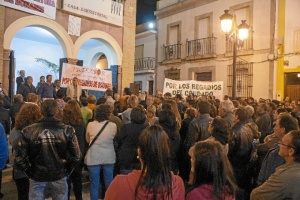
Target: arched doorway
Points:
x,y
44,24
99,49
37,51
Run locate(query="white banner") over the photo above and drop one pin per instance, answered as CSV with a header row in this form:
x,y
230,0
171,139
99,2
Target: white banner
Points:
x,y
105,10
44,8
199,88
89,78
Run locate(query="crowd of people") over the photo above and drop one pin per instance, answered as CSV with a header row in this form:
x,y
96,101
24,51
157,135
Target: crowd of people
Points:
x,y
140,146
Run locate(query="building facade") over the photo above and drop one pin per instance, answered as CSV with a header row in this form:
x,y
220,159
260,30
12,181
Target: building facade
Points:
x,y
192,46
145,57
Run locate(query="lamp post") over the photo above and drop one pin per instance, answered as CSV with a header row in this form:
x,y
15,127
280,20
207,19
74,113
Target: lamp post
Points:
x,y
228,25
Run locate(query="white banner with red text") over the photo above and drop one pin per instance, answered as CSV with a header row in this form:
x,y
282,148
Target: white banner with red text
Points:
x,y
89,78
44,8
198,88
104,10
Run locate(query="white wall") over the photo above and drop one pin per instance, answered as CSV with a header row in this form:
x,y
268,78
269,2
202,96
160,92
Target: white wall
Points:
x,y
165,3
149,43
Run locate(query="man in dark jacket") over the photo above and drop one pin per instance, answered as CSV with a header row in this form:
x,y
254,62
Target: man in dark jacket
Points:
x,y
20,79
240,148
15,108
42,154
226,111
4,115
284,124
198,128
26,88
263,120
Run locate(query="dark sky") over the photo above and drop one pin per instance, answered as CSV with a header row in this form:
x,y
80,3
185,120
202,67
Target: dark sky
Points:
x,y
145,11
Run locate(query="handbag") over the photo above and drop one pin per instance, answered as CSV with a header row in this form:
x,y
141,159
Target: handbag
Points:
x,y
95,138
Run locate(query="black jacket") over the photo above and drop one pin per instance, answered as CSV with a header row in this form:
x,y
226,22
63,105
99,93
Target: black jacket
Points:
x,y
25,89
198,130
5,118
127,142
241,145
43,147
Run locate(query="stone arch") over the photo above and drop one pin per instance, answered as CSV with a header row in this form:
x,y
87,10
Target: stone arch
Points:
x,y
53,27
107,39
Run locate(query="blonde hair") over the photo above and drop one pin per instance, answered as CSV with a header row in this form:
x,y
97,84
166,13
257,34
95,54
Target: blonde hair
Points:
x,y
91,99
133,101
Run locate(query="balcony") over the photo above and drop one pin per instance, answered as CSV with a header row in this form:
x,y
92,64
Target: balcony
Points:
x,y
201,48
244,47
172,53
147,63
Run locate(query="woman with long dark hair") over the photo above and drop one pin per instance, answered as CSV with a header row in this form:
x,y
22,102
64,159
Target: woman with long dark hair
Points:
x,y
213,175
29,114
168,122
72,116
219,130
154,181
127,140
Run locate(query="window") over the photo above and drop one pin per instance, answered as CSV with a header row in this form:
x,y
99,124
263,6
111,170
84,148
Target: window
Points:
x,y
242,11
297,40
204,76
150,89
139,52
203,28
173,74
244,79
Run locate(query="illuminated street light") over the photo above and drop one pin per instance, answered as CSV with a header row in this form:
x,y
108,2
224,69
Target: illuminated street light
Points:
x,y
228,25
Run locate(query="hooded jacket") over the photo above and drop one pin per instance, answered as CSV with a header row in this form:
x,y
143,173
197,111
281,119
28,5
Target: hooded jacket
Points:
x,y
123,188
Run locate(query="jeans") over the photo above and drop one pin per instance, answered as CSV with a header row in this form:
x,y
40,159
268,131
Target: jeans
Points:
x,y
58,189
94,174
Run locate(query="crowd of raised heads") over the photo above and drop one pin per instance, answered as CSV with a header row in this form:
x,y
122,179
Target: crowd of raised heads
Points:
x,y
161,146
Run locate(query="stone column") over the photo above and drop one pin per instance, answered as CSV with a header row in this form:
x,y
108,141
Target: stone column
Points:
x,y
2,23
5,70
129,24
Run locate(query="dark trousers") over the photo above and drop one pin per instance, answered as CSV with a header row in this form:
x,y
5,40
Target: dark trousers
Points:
x,y
75,180
23,188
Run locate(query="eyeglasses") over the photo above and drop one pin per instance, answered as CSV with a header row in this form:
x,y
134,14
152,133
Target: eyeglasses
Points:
x,y
281,143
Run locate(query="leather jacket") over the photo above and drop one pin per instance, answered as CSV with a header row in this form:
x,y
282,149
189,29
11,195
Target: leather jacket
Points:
x,y
240,146
198,130
43,147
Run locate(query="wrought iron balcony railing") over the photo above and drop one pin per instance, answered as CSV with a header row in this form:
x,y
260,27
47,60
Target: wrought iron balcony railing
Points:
x,y
203,46
241,45
147,63
172,52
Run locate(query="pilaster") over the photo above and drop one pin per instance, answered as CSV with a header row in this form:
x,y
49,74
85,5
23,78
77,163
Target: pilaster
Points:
x,y
129,24
2,22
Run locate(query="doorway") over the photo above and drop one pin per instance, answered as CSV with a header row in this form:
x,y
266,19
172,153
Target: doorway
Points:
x,y
292,85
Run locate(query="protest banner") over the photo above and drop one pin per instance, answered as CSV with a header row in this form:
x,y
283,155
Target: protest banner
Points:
x,y
89,78
198,88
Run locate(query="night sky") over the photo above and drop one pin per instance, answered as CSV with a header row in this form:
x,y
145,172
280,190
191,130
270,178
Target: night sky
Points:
x,y
145,11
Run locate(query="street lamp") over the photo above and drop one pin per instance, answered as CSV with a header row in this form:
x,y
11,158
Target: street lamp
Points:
x,y
228,25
